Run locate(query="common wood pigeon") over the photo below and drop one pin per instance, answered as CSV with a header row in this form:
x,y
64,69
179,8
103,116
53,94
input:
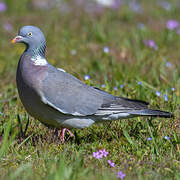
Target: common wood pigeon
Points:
x,y
58,99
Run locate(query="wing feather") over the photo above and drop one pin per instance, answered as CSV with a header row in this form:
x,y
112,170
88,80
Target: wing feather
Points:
x,y
68,95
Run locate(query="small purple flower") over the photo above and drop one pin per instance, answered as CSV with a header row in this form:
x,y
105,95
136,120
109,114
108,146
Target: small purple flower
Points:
x,y
139,83
166,5
172,24
151,44
100,154
73,52
165,97
97,155
106,49
3,7
149,139
103,86
168,64
111,163
121,175
122,85
115,88
7,26
104,152
167,138
178,31
158,93
135,6
141,26
1,113
86,77
116,4
172,89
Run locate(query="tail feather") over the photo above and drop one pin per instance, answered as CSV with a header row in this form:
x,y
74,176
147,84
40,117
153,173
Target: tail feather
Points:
x,y
151,112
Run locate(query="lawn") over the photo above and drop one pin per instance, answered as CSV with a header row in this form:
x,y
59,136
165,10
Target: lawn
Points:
x,y
130,49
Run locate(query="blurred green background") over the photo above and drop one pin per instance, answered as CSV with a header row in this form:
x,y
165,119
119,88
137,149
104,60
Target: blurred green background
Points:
x,y
129,48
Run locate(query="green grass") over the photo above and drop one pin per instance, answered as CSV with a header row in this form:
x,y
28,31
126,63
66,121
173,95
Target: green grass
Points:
x,y
37,153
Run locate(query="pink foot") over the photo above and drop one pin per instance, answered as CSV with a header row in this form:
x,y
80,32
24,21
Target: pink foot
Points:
x,y
63,134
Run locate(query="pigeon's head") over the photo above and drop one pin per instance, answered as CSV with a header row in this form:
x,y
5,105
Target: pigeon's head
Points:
x,y
30,35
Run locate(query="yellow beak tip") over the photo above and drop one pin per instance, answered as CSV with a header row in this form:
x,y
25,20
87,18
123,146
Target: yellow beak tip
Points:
x,y
13,41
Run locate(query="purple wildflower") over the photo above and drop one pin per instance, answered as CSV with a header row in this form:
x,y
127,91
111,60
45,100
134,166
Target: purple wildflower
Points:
x,y
141,26
166,5
165,97
97,155
151,44
121,175
103,152
100,154
116,4
149,139
122,85
1,113
139,83
106,49
3,7
168,64
158,93
86,77
172,24
135,6
111,163
7,26
103,86
115,88
167,138
73,52
172,89
178,31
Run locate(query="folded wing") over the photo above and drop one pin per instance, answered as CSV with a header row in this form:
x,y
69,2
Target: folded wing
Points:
x,y
69,95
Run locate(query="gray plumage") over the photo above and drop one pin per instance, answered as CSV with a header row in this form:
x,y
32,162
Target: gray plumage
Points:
x,y
58,99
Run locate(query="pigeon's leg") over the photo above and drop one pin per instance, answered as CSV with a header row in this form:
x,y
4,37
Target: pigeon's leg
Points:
x,y
63,134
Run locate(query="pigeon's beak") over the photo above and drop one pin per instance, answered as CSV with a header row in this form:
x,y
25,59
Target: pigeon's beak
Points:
x,y
16,39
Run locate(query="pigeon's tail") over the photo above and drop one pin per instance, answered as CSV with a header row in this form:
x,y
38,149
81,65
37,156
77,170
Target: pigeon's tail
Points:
x,y
151,112
126,108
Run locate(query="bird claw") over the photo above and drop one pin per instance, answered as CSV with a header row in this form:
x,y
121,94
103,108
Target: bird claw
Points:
x,y
62,135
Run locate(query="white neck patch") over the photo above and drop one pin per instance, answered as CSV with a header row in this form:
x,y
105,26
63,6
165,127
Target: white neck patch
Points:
x,y
39,61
